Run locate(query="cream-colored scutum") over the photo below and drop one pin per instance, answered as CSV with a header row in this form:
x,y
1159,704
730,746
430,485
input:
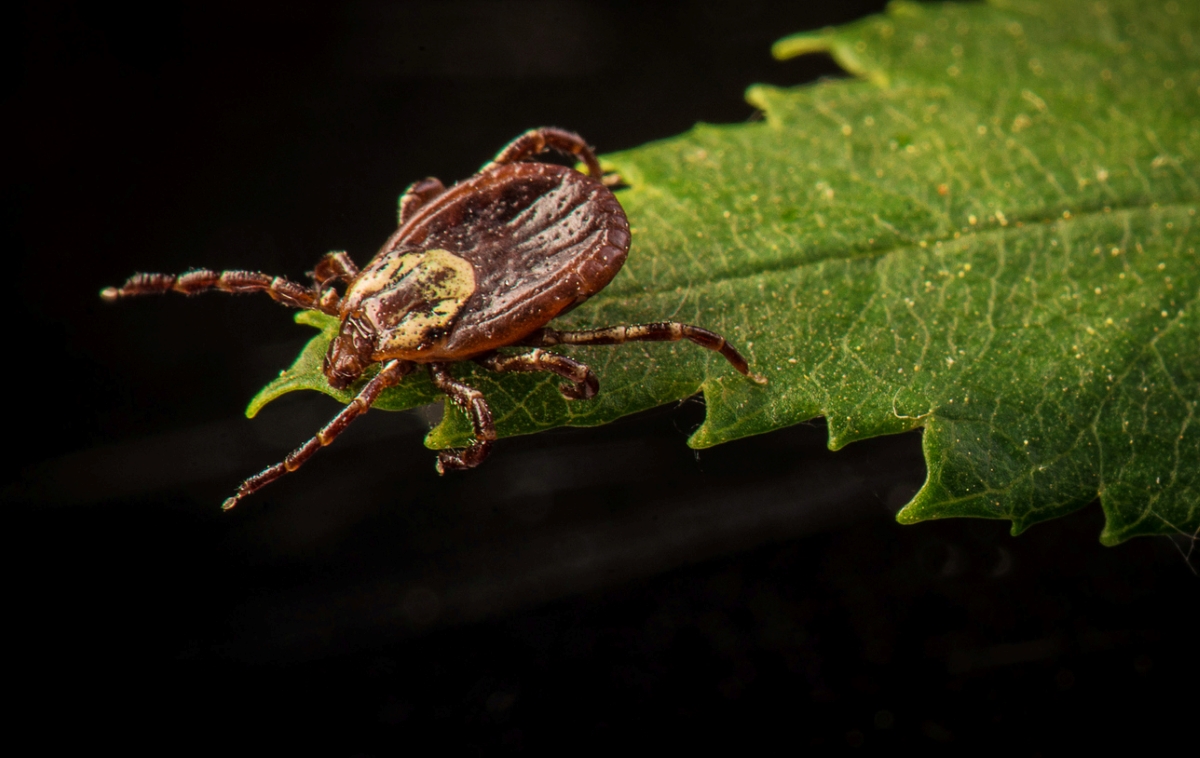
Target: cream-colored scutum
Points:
x,y
430,288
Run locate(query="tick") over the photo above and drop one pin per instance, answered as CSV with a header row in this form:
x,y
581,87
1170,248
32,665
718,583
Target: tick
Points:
x,y
482,265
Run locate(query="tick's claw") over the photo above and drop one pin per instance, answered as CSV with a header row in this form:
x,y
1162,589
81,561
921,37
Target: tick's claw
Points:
x,y
576,391
758,378
110,294
451,460
447,460
229,503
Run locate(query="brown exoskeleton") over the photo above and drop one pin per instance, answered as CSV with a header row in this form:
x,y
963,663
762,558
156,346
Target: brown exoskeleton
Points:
x,y
482,265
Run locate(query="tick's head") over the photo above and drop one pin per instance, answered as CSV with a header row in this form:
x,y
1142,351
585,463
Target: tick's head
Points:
x,y
349,353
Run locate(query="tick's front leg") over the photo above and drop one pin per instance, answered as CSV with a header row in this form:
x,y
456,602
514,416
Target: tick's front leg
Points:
x,y
583,382
281,290
471,402
335,266
388,376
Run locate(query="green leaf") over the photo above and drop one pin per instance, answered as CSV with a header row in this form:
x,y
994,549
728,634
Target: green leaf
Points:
x,y
991,235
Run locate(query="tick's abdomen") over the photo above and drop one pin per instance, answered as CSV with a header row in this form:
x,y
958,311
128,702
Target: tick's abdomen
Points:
x,y
541,239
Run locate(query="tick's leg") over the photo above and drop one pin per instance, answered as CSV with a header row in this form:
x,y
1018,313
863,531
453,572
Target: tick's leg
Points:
x,y
333,267
663,331
583,383
417,194
471,402
280,289
536,141
389,376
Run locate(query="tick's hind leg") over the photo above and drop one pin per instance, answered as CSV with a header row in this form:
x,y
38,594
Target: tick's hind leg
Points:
x,y
417,194
471,402
662,331
389,376
583,382
537,141
280,289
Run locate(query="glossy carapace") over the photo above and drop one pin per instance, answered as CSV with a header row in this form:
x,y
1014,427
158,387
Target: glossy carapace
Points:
x,y
483,265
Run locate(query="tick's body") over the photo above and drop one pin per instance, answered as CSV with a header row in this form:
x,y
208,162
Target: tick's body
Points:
x,y
483,265
539,239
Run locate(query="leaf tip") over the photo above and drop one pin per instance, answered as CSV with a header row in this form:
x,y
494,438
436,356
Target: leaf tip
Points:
x,y
701,438
315,319
800,44
453,430
922,507
264,397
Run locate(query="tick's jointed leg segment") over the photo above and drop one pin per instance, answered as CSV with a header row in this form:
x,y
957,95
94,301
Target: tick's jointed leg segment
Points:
x,y
583,382
335,266
536,141
471,402
389,376
417,194
662,331
280,289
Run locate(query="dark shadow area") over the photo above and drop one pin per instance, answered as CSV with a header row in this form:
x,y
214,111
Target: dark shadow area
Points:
x,y
583,585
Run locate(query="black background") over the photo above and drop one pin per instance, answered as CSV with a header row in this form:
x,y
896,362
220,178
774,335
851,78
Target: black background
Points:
x,y
584,586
